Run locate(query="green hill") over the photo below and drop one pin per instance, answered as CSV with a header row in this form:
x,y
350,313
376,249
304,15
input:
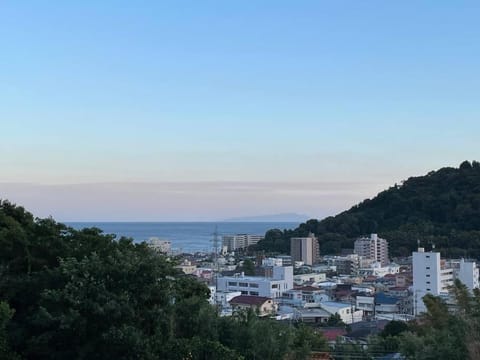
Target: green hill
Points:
x,y
441,208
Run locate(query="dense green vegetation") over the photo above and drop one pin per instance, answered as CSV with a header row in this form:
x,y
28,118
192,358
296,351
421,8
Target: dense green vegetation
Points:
x,y
445,332
80,294
441,208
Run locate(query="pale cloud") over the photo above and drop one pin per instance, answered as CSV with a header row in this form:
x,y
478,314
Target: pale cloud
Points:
x,y
185,201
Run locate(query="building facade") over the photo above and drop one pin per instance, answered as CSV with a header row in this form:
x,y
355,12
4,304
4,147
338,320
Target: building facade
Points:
x,y
430,276
372,248
305,249
272,287
240,241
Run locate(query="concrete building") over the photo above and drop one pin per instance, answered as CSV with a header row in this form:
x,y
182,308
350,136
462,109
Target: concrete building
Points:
x,y
345,265
430,276
272,287
311,278
240,241
163,246
305,249
373,248
187,267
376,269
346,311
467,272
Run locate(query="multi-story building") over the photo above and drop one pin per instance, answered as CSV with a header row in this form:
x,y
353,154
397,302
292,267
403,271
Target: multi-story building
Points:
x,y
372,248
467,272
273,287
345,265
430,276
163,246
305,249
240,241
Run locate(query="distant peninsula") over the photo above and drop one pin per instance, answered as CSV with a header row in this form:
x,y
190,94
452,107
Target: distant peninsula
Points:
x,y
284,217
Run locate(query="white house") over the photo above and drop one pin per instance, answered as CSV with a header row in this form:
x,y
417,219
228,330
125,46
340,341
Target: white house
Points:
x,y
347,312
272,287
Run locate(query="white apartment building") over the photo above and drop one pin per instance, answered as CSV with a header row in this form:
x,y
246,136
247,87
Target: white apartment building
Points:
x,y
372,248
305,249
272,287
240,241
467,272
430,276
163,246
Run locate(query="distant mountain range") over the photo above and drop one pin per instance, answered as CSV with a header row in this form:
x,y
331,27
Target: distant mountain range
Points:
x,y
285,217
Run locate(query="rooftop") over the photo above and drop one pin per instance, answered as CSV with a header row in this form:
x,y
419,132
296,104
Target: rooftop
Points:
x,y
249,300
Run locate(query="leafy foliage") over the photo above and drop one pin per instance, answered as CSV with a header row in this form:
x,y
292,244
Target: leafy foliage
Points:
x,y
442,207
81,294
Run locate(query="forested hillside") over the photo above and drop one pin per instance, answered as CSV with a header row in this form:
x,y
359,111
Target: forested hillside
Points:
x,y
68,294
442,207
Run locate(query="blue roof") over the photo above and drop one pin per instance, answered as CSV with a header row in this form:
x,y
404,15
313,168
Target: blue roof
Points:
x,y
335,304
382,298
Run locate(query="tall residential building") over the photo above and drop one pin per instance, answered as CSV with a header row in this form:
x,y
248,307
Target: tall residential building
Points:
x,y
468,273
305,249
373,248
430,276
240,241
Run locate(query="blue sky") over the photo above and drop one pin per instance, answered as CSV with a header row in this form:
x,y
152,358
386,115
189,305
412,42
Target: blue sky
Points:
x,y
293,95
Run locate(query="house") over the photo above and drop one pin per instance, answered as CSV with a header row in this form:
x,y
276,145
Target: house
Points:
x,y
386,304
312,315
331,334
263,306
344,310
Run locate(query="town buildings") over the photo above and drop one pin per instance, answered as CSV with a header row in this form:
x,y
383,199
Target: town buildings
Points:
x,y
433,275
305,249
272,287
240,241
372,248
163,246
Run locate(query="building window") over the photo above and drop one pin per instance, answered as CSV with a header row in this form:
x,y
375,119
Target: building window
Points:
x,y
428,282
428,275
254,293
274,286
428,289
254,285
232,283
428,268
243,284
428,256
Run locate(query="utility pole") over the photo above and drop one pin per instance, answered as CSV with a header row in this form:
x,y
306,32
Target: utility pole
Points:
x,y
215,241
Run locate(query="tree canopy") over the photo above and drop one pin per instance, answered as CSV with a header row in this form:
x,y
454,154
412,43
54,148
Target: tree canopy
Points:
x,y
442,207
82,294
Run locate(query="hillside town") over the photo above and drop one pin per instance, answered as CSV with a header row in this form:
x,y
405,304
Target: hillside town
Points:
x,y
349,296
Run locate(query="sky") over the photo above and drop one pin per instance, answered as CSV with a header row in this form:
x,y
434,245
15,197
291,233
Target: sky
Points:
x,y
204,110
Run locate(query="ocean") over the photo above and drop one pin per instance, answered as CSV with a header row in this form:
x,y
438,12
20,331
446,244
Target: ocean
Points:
x,y
185,236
